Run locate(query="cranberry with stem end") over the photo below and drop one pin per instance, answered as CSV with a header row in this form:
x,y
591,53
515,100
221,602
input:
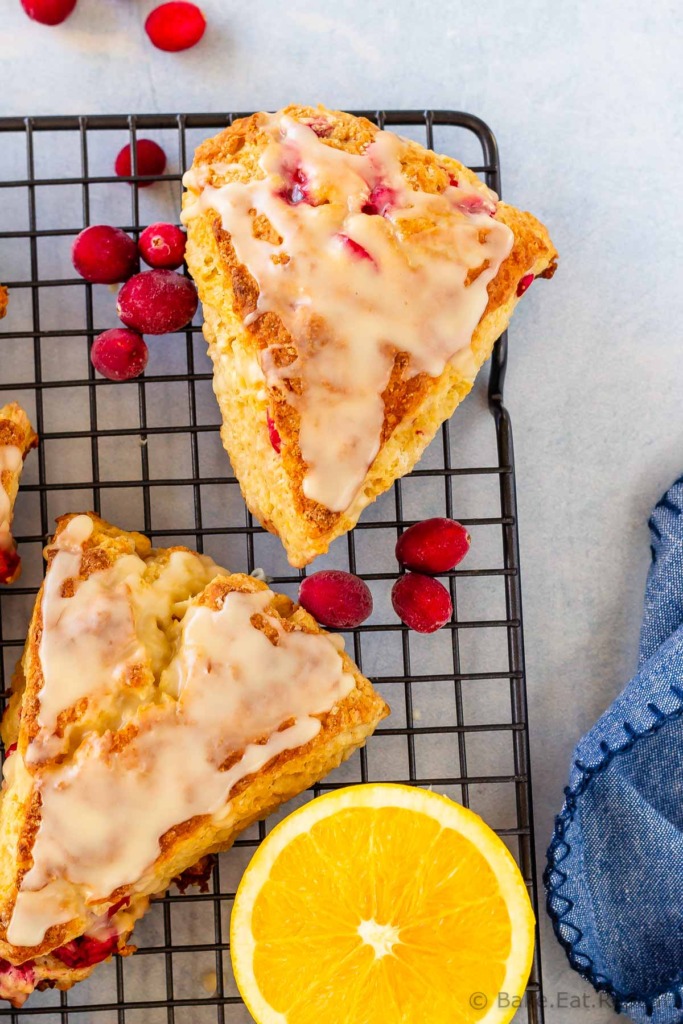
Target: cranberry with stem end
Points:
x,y
104,255
175,26
421,602
119,354
433,546
151,161
157,302
49,12
163,245
336,598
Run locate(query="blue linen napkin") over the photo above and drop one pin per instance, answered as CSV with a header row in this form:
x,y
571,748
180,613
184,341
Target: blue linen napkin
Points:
x,y
614,876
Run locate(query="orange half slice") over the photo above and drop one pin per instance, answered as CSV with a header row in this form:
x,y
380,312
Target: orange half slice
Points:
x,y
382,904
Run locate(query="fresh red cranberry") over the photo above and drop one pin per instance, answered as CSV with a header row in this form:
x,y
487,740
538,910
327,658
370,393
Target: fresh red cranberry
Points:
x,y
86,951
10,750
10,565
354,248
119,354
433,546
296,189
274,434
151,161
336,598
163,245
421,602
524,283
104,255
157,302
452,180
380,201
175,26
49,12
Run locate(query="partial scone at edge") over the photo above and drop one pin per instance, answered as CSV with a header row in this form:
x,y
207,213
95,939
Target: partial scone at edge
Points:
x,y
343,728
415,406
16,432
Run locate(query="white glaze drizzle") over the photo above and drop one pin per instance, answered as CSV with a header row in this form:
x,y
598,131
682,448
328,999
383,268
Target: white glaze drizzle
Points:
x,y
96,639
10,461
348,315
228,690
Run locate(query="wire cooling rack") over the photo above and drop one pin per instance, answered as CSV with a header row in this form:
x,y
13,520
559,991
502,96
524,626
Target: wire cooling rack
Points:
x,y
147,455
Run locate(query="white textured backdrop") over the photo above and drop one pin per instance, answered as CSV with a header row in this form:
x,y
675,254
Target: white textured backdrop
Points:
x,y
585,99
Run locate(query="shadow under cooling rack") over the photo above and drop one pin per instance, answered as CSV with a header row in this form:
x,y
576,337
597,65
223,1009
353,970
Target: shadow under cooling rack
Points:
x,y
147,455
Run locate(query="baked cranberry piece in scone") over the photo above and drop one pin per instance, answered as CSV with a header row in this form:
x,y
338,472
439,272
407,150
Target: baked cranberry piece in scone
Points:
x,y
17,437
353,284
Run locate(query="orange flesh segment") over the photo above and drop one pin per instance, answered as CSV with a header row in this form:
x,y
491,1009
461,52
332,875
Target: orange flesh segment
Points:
x,y
395,867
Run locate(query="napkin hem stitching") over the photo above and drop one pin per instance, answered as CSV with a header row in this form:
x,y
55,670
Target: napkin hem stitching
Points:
x,y
559,849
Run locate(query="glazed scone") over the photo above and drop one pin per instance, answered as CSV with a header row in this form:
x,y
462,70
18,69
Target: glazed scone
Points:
x,y
161,707
4,299
353,283
17,437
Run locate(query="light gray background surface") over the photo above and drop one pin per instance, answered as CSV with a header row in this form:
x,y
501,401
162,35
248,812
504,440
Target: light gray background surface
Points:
x,y
585,99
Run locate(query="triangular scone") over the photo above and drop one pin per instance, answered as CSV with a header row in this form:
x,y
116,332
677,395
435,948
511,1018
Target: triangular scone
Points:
x,y
17,437
353,284
162,706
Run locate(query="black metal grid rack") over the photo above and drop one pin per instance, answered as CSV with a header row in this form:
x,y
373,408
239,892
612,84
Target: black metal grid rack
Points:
x,y
147,456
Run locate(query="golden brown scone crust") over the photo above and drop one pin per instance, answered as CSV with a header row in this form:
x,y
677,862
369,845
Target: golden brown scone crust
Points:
x,y
4,299
344,728
415,406
16,430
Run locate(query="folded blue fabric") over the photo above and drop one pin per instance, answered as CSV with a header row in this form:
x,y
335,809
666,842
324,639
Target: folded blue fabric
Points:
x,y
614,875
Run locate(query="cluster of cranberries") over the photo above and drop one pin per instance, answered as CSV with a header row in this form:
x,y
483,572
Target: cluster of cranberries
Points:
x,y
155,301
173,26
342,600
